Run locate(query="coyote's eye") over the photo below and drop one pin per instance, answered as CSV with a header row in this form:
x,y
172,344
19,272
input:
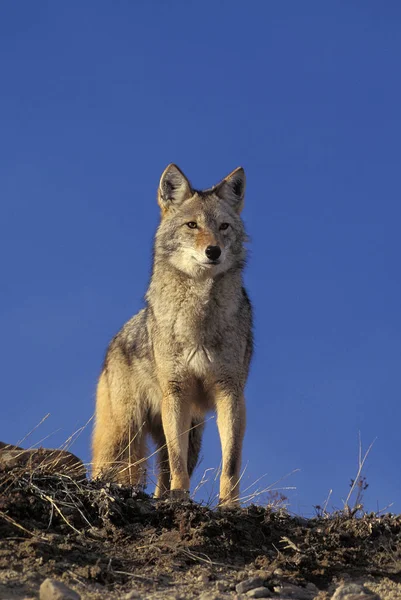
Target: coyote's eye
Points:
x,y
224,226
192,225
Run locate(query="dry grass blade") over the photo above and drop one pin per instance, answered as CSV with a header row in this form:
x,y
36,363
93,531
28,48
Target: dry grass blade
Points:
x,y
326,502
34,429
290,544
250,498
39,443
203,558
361,462
384,510
134,575
204,480
74,436
13,522
57,509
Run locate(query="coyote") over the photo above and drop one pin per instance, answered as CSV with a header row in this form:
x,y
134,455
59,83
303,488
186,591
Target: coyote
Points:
x,y
188,351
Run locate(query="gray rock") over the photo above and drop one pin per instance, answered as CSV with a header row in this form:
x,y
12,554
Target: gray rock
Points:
x,y
311,587
51,589
353,591
259,592
248,584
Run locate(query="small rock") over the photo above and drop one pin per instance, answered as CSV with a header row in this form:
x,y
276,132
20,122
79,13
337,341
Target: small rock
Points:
x,y
290,590
248,584
259,592
353,591
347,589
133,595
51,589
203,578
222,586
311,587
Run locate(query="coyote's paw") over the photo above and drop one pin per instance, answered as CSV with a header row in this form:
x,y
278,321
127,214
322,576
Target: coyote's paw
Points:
x,y
230,504
179,495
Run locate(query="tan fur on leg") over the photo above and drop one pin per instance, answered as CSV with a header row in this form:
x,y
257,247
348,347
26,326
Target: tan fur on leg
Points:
x,y
231,423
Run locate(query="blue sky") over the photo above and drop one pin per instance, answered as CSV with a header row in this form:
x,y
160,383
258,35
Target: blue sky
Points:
x,y
96,99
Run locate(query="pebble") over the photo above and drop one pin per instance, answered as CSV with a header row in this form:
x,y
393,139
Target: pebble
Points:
x,y
279,572
259,592
248,584
133,595
51,589
222,586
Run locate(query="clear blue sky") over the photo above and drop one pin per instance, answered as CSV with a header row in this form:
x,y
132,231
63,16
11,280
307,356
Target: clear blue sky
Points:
x,y
97,98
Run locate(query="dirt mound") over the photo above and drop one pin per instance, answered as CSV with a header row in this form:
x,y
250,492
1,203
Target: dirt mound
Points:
x,y
106,540
41,459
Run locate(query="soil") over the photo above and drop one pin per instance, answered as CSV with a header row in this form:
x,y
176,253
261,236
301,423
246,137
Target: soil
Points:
x,y
105,541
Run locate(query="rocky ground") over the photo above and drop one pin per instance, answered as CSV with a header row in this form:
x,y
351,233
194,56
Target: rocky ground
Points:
x,y
107,541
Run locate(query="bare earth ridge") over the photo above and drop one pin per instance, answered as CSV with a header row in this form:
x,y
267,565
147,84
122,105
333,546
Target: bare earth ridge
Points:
x,y
107,541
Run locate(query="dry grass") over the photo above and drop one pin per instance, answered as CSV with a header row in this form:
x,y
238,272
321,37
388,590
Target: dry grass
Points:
x,y
273,495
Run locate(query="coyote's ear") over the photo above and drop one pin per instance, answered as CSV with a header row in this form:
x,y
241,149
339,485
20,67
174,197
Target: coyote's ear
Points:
x,y
174,188
232,189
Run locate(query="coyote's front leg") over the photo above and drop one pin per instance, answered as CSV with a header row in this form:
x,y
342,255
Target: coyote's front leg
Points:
x,y
230,406
176,419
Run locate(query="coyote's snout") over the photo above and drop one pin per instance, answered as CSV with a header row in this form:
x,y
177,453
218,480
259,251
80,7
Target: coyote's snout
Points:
x,y
185,353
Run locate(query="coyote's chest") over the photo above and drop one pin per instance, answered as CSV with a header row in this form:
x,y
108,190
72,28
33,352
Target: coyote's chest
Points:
x,y
199,360
194,330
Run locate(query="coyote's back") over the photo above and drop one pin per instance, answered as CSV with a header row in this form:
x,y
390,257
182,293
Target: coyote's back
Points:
x,y
188,351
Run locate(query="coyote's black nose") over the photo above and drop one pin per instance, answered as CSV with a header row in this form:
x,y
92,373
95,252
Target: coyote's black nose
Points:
x,y
213,252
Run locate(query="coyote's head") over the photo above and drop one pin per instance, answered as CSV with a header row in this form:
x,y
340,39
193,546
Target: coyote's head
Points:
x,y
201,232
